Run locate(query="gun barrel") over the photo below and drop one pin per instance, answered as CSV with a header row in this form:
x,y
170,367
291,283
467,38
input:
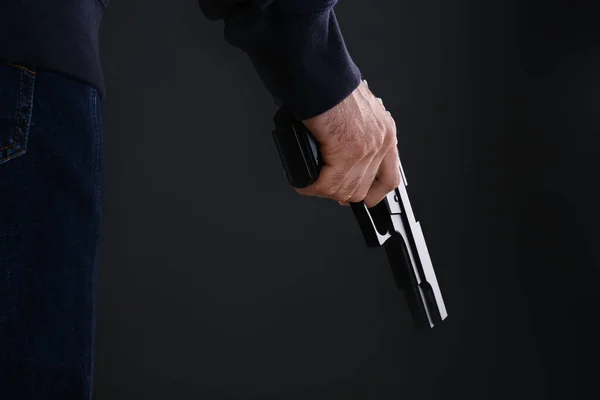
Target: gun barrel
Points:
x,y
422,266
392,224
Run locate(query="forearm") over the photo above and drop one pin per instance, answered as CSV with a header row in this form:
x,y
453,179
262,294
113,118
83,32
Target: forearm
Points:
x,y
296,47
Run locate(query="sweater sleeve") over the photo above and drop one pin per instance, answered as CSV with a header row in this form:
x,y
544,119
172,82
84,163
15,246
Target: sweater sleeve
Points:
x,y
296,47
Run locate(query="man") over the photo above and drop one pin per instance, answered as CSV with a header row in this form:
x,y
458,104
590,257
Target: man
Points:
x,y
51,161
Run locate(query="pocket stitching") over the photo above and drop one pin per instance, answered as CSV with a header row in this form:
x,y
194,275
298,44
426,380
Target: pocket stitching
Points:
x,y
22,68
20,134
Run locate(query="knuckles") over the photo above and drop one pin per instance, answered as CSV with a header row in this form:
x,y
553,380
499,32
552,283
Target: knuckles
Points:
x,y
392,181
390,138
358,197
348,194
358,151
326,189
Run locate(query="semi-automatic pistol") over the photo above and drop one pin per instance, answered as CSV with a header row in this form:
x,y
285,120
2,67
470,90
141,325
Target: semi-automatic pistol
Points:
x,y
390,224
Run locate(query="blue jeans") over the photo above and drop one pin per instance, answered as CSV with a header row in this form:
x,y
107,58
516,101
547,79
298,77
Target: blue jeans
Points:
x,y
50,204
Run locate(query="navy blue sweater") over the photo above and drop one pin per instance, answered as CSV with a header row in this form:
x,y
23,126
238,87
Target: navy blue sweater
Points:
x,y
295,45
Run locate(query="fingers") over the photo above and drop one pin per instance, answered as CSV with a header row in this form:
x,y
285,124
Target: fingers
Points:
x,y
362,177
381,177
333,175
327,184
341,182
367,179
360,180
387,180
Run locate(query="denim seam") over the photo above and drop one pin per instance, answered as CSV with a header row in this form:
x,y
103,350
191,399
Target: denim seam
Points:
x,y
19,107
21,135
96,167
94,104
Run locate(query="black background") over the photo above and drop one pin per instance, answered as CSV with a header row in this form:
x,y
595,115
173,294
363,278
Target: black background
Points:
x,y
218,281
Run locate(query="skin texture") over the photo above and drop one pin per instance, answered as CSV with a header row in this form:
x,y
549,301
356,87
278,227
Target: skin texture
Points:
x,y
358,143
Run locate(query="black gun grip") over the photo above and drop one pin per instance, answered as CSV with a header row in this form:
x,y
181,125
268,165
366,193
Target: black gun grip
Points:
x,y
297,149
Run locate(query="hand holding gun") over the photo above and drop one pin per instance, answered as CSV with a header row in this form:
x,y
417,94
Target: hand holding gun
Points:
x,y
390,223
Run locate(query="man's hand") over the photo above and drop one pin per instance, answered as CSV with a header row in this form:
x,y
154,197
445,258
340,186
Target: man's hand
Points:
x,y
358,143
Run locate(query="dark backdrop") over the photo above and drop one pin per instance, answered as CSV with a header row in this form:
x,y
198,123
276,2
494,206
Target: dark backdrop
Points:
x,y
218,281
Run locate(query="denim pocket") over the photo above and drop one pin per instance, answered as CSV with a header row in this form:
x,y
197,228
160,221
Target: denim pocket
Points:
x,y
16,102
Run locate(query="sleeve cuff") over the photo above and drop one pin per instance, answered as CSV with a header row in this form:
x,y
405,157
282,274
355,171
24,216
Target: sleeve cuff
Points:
x,y
302,60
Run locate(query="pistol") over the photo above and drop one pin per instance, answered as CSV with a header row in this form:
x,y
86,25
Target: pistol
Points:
x,y
391,224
